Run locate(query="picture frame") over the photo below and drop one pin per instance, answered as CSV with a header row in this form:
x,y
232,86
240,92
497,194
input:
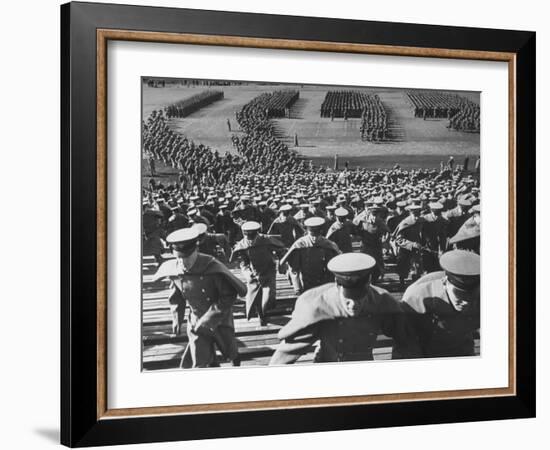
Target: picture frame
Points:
x,y
86,418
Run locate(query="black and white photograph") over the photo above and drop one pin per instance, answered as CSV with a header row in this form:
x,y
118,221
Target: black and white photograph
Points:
x,y
301,224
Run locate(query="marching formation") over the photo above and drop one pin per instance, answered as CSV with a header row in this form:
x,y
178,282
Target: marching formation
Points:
x,y
189,105
344,104
259,147
304,225
374,125
467,119
463,114
197,163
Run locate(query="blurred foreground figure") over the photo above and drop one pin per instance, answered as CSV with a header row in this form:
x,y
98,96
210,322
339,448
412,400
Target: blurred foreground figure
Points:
x,y
444,306
346,317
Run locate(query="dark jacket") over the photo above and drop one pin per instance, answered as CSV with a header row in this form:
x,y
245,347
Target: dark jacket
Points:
x,y
309,260
320,315
441,329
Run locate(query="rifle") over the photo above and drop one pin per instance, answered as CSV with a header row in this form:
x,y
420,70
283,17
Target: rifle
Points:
x,y
426,249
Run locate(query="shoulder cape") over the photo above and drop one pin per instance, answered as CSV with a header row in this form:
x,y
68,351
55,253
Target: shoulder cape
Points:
x,y
428,286
322,303
407,222
304,242
469,230
205,265
336,226
290,219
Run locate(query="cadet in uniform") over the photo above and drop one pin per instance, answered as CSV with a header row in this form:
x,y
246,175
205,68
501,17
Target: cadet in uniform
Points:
x,y
444,306
195,217
330,217
223,223
408,238
458,215
340,232
435,237
397,216
286,226
210,290
308,257
209,242
256,254
267,215
303,213
467,237
346,317
176,221
153,233
165,210
372,229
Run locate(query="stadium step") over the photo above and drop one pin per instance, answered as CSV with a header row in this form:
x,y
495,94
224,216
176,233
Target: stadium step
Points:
x,y
163,350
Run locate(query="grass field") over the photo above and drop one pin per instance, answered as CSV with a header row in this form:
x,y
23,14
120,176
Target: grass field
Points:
x,y
413,143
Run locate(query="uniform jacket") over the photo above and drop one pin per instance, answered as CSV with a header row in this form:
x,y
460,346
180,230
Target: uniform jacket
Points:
x,y
441,329
258,266
288,229
371,233
394,220
209,289
267,216
456,217
467,237
434,232
310,259
319,314
223,223
211,241
340,234
257,257
176,222
409,232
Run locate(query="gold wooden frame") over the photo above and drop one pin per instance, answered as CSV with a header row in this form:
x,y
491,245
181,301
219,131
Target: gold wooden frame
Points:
x,y
103,36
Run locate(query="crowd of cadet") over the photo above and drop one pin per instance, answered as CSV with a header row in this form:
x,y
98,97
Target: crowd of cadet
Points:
x,y
189,105
268,211
303,225
467,119
462,113
374,126
346,104
260,148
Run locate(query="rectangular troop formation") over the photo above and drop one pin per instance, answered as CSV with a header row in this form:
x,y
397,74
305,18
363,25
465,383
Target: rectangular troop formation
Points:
x,y
346,104
355,104
462,113
189,105
275,104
